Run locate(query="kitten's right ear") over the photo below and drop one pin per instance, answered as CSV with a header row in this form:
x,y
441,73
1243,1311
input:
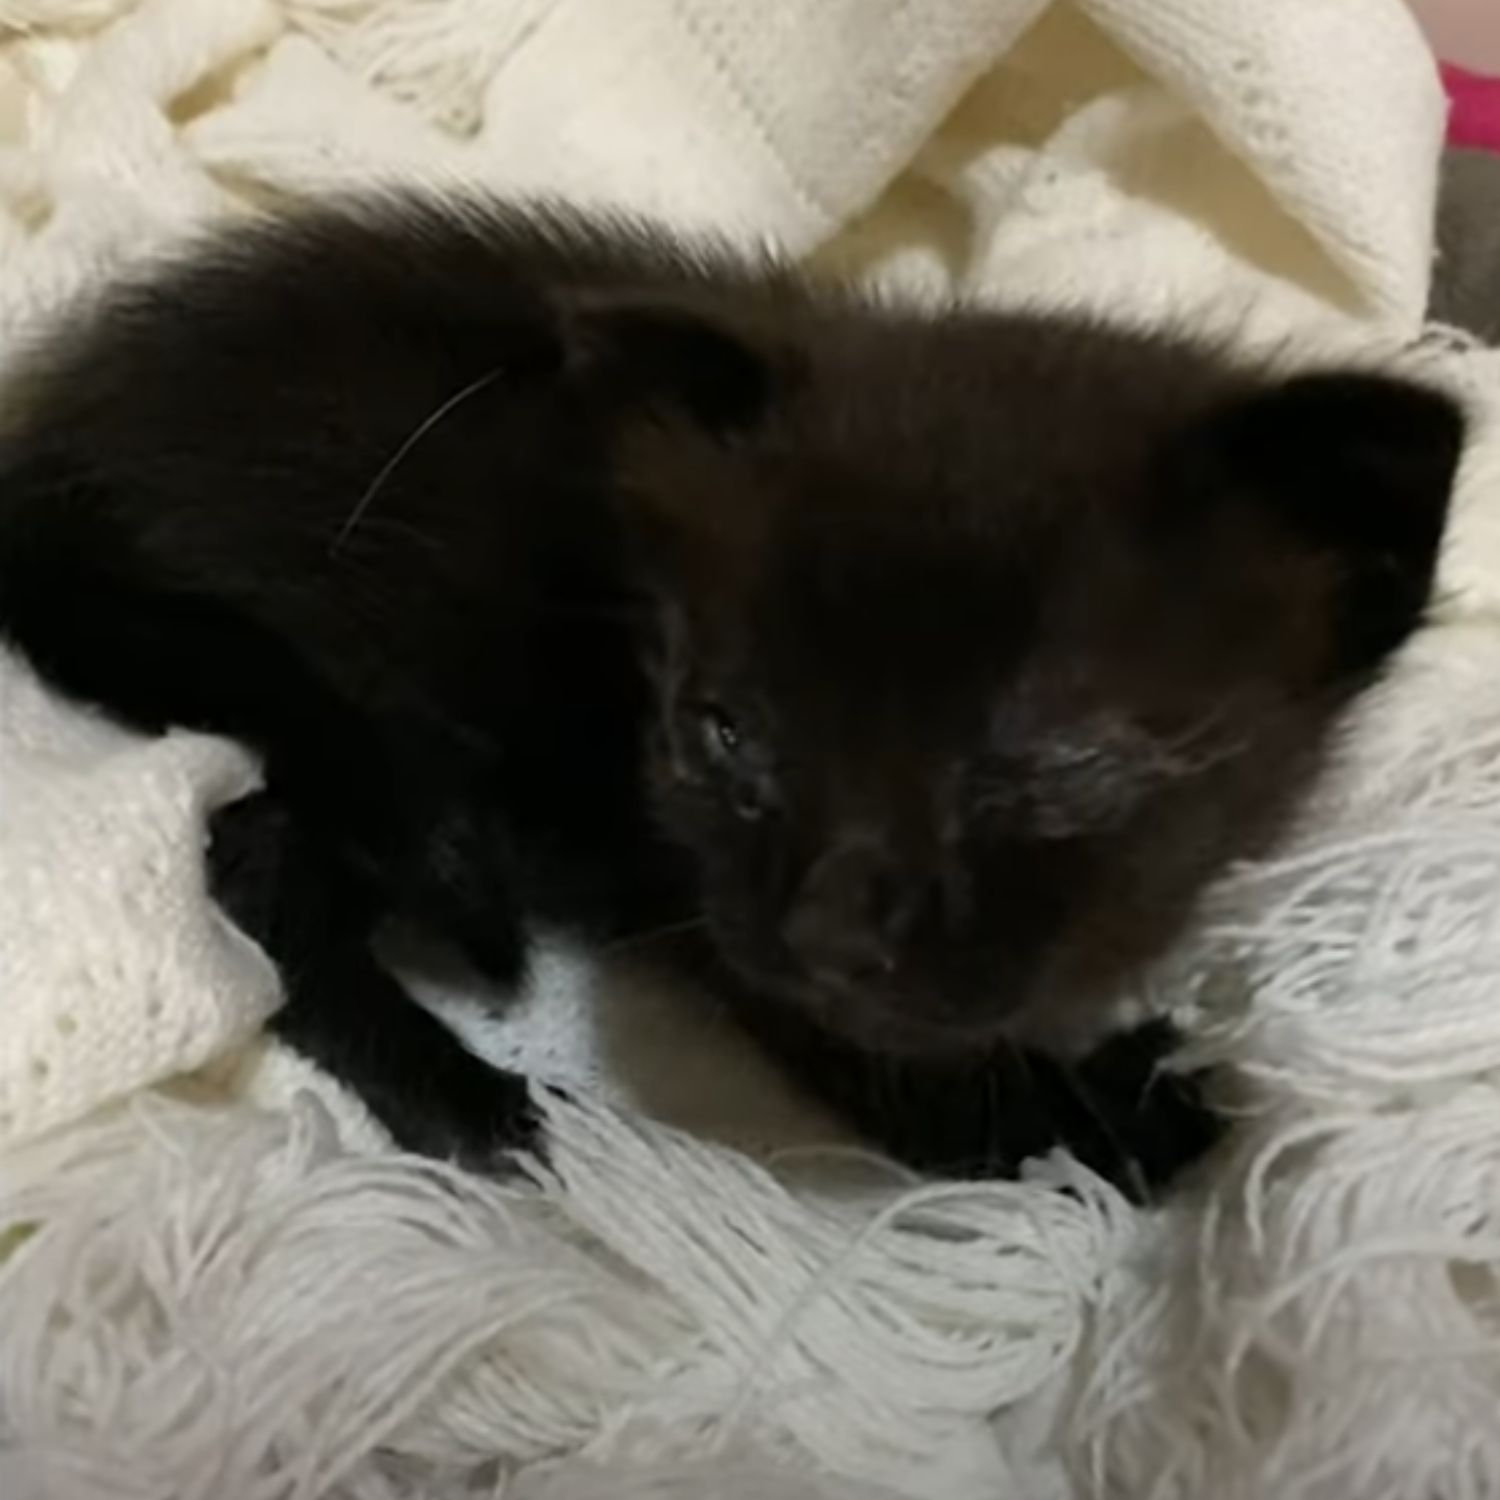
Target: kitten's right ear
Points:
x,y
643,354
1356,467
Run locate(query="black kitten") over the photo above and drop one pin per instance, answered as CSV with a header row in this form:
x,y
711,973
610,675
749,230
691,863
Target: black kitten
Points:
x,y
934,661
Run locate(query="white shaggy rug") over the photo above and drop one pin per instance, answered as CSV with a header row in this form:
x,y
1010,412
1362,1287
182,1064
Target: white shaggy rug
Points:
x,y
216,1283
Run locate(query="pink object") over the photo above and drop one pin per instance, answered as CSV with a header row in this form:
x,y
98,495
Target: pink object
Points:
x,y
1466,32
1475,116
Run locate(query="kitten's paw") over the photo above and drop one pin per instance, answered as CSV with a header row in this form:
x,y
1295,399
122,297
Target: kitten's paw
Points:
x,y
1159,1121
481,1118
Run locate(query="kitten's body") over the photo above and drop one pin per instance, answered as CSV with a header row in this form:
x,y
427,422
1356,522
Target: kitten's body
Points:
x,y
473,523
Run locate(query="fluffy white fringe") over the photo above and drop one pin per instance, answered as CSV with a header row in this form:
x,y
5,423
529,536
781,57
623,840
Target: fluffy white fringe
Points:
x,y
215,1303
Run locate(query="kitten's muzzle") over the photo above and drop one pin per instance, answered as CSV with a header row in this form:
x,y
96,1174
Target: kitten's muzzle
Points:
x,y
875,949
850,919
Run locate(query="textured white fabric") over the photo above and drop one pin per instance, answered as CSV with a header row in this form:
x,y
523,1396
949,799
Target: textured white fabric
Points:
x,y
205,1298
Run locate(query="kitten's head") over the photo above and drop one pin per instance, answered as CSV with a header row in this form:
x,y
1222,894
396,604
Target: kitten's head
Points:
x,y
987,642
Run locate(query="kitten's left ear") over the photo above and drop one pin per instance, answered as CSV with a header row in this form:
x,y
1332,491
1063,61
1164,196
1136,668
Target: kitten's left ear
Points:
x,y
635,354
692,527
1360,467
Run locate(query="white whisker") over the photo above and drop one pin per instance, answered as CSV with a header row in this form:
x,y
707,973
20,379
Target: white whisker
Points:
x,y
393,462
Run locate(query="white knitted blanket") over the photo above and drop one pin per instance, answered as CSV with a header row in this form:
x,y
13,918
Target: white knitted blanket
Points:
x,y
221,1286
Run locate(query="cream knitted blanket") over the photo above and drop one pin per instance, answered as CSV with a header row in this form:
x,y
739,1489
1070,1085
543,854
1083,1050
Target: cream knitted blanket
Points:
x,y
220,1285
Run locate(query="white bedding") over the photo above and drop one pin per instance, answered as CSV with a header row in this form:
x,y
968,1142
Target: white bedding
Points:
x,y
225,1287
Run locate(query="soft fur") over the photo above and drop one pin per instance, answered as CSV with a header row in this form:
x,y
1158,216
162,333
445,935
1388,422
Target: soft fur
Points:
x,y
567,574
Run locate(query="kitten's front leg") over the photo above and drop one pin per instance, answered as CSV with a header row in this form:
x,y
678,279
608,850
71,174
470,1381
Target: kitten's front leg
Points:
x,y
343,1011
1118,1109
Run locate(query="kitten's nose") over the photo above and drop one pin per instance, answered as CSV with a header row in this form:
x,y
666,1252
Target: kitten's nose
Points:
x,y
850,916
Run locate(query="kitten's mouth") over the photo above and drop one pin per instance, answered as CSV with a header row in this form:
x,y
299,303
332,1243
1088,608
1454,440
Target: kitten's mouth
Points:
x,y
890,1018
894,1030
900,1013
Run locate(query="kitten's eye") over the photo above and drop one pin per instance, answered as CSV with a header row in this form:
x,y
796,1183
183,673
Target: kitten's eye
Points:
x,y
740,768
722,740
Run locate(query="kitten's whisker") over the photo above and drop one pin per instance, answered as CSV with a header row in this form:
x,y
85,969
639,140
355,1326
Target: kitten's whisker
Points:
x,y
653,934
394,461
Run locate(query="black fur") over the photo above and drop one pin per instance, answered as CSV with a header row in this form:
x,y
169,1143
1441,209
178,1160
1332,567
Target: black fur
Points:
x,y
560,573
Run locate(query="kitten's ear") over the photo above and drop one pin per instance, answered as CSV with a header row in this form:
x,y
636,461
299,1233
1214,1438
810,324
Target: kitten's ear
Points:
x,y
1360,467
690,518
639,354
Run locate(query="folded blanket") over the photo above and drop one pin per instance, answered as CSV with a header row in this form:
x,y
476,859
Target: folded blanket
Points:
x,y
220,1285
